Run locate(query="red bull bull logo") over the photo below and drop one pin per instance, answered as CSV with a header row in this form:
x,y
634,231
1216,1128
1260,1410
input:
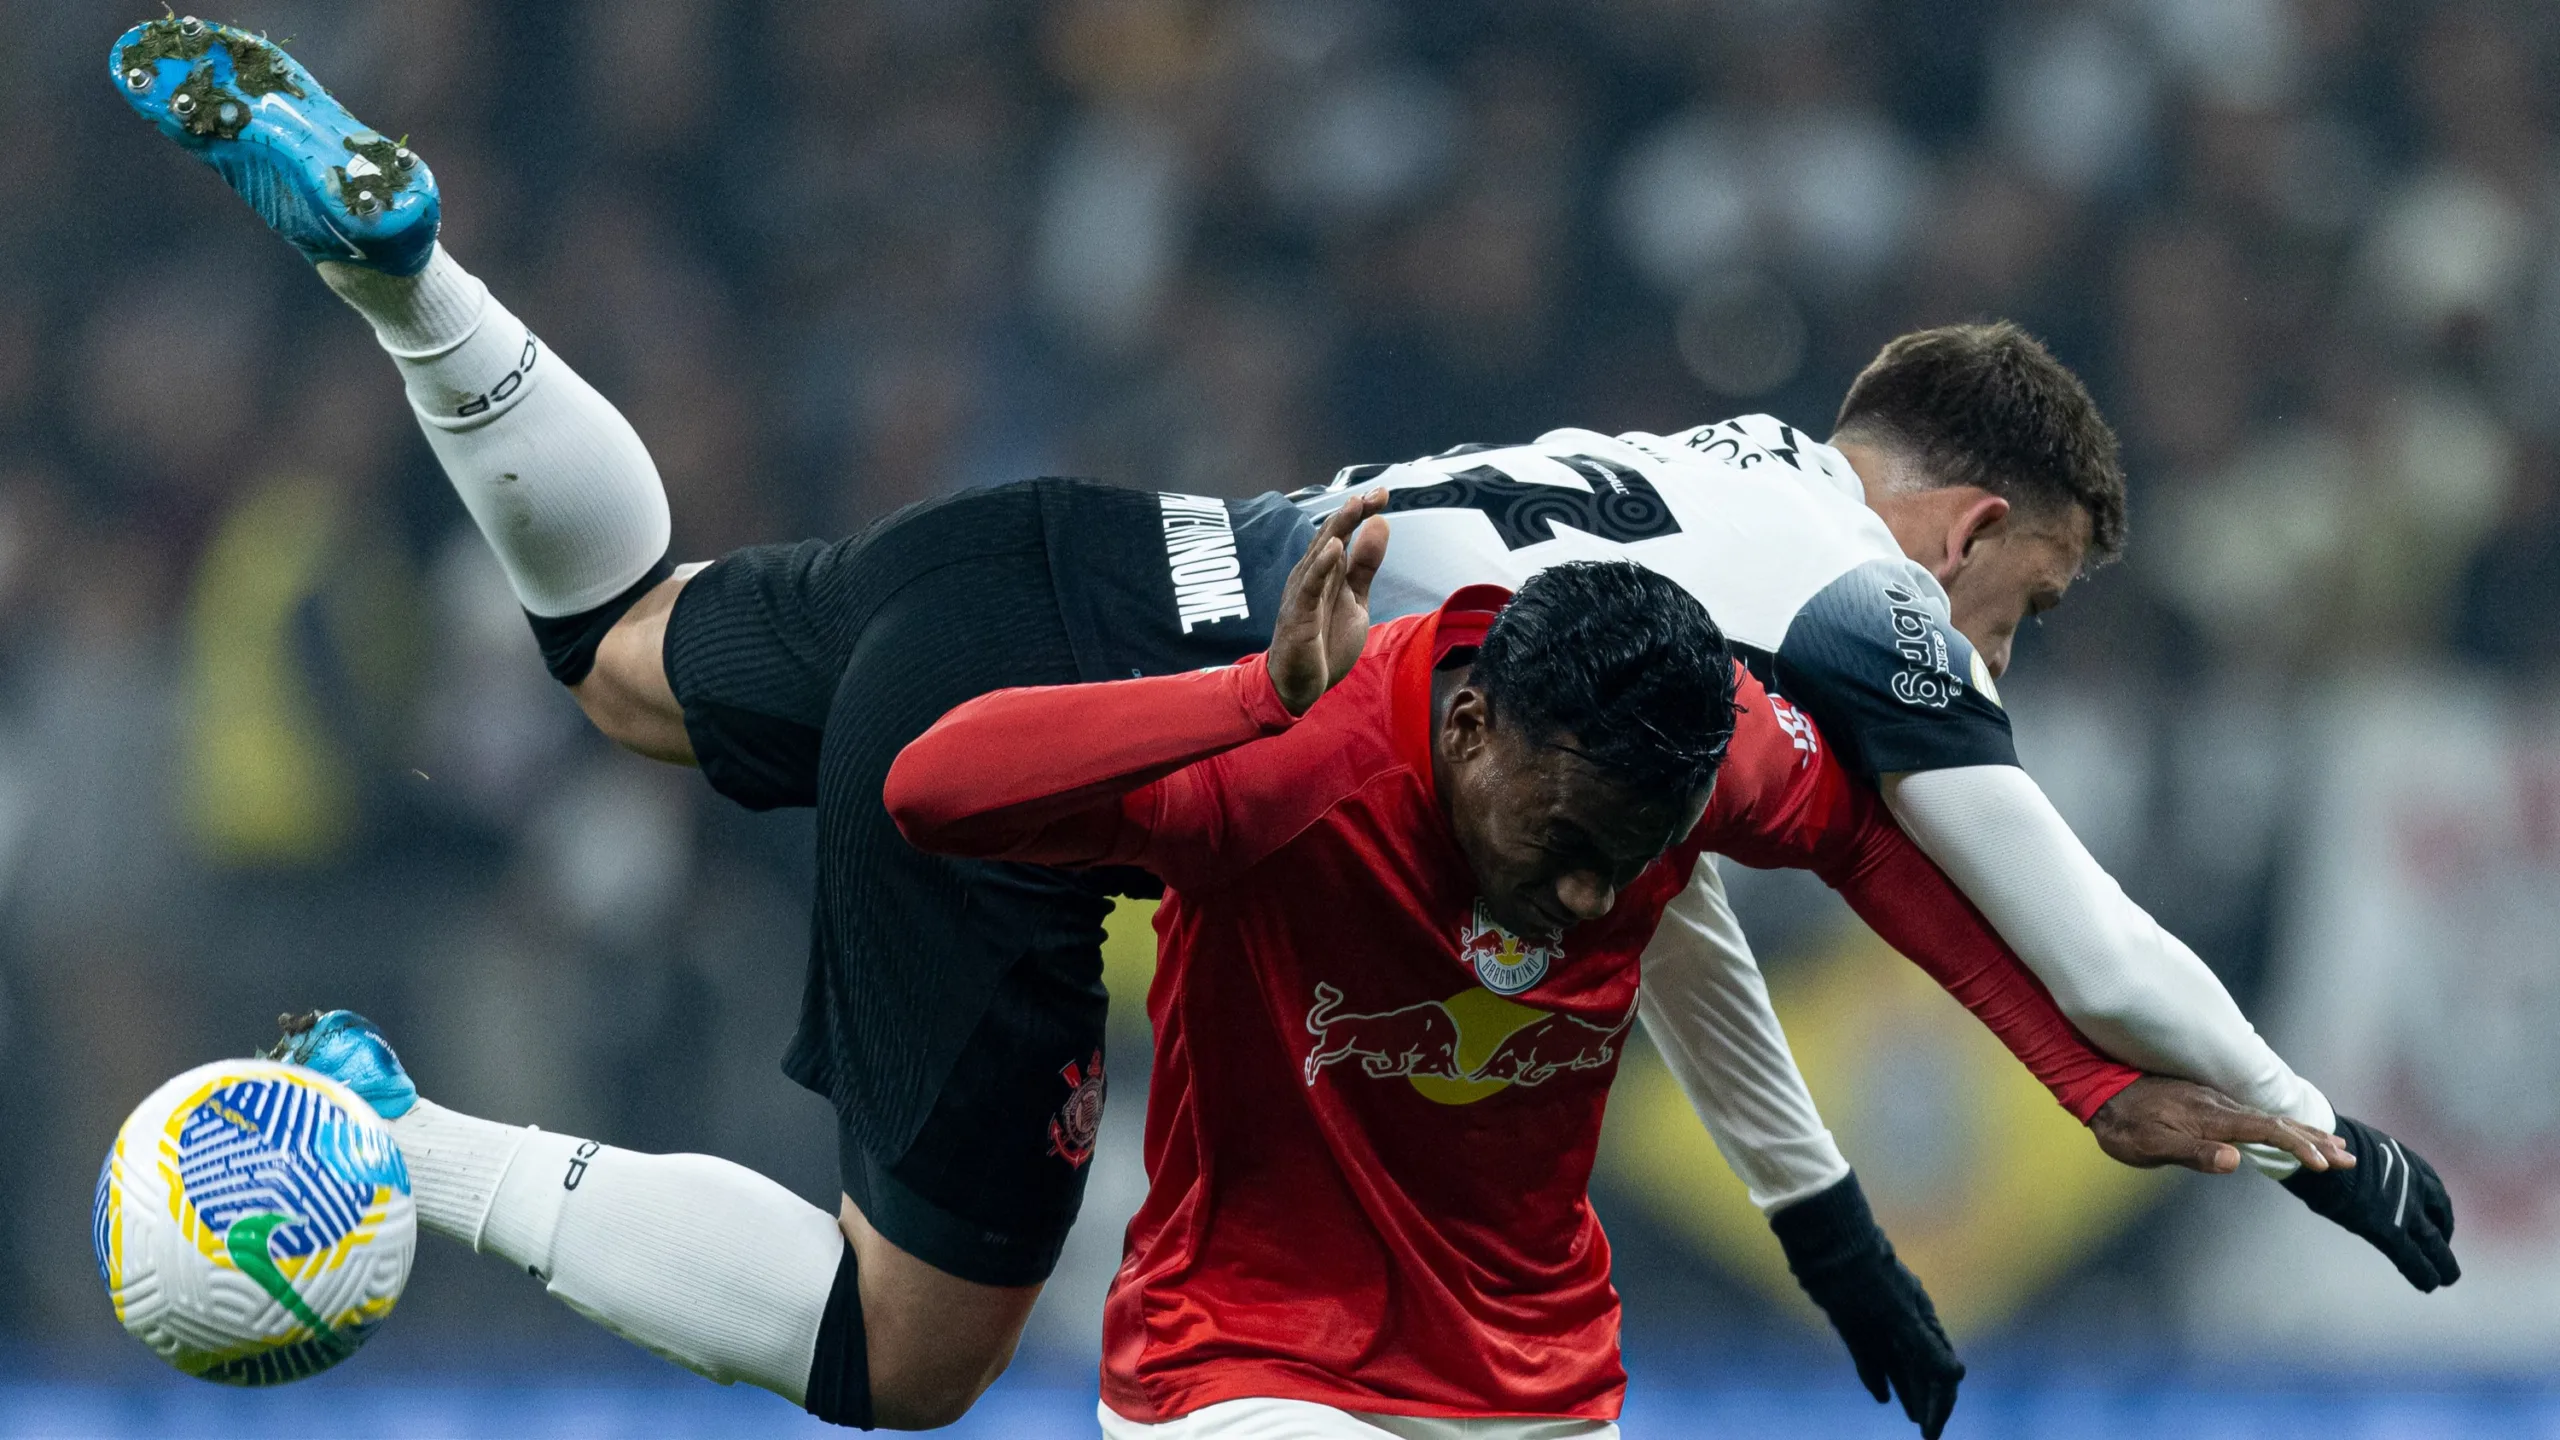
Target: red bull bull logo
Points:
x,y
1505,963
1460,1050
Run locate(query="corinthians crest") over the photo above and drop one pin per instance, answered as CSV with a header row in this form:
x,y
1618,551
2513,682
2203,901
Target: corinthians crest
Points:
x,y
1503,961
1072,1129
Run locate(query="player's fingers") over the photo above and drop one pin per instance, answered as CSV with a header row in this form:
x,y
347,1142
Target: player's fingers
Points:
x,y
2250,1127
1939,1405
1368,552
2431,1244
2415,1265
1315,546
2300,1141
1912,1386
1302,598
1871,1373
2214,1158
1333,529
1354,511
1300,670
2433,1202
1916,1387
1293,590
1324,578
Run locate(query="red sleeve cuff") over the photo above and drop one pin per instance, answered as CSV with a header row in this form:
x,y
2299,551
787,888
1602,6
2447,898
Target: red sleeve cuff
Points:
x,y
2085,1099
1250,683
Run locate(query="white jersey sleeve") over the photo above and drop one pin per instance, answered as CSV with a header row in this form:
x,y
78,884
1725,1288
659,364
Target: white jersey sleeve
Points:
x,y
1707,1010
2131,986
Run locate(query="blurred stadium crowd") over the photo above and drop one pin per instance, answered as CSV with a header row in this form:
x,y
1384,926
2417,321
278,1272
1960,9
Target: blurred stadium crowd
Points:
x,y
271,732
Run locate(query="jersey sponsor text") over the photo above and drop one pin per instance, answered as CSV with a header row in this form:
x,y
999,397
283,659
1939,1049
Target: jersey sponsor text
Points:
x,y
1925,678
1200,551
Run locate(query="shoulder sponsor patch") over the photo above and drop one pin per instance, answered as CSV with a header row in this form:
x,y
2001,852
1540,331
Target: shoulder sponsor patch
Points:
x,y
1925,677
1877,663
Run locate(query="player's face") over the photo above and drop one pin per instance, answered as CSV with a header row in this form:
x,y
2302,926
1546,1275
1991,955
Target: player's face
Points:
x,y
2010,575
1551,840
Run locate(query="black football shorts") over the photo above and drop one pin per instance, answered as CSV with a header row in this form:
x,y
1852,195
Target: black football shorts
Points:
x,y
954,1009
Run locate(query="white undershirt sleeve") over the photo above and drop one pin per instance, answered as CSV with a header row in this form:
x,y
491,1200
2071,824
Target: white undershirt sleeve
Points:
x,y
2133,988
1707,1008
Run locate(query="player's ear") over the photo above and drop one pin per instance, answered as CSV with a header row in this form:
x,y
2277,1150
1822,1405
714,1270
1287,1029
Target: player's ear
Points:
x,y
1979,519
1465,727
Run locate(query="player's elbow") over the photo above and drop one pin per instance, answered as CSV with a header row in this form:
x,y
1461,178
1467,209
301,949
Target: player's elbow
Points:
x,y
929,818
2108,1003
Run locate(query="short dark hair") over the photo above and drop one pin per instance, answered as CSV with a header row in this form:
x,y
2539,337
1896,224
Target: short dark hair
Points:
x,y
1988,405
1622,660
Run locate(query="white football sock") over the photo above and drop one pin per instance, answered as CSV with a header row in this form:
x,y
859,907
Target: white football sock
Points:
x,y
703,1262
556,479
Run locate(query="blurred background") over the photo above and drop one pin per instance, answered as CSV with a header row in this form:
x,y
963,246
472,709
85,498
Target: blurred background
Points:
x,y
272,733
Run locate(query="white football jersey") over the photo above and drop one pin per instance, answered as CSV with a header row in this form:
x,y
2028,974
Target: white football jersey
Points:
x,y
1766,526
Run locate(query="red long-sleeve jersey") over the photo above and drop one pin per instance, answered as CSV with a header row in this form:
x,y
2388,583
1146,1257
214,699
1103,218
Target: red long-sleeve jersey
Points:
x,y
1373,1112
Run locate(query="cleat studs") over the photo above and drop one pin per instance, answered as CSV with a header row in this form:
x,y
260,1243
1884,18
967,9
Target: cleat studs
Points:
x,y
407,160
137,79
190,25
365,202
230,113
182,105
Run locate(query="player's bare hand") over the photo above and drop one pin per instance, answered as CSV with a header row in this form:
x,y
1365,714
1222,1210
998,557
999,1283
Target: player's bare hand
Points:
x,y
1324,609
2159,1121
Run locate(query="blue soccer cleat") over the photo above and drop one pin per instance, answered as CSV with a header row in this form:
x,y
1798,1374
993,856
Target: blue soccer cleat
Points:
x,y
349,1049
319,177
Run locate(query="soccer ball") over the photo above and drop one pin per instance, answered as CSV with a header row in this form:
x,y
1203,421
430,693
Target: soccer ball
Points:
x,y
253,1222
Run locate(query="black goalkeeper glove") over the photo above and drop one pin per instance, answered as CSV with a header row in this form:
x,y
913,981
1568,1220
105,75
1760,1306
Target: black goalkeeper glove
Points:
x,y
2392,1198
1847,1265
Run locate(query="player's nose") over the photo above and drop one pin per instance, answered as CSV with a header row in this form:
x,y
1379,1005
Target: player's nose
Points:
x,y
1585,896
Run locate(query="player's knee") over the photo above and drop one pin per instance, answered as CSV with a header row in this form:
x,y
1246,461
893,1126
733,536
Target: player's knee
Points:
x,y
631,721
624,689
904,1345
925,1403
923,1386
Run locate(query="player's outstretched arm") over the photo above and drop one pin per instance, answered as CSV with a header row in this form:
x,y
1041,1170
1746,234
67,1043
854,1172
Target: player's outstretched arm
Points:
x,y
1785,800
1841,1257
2158,1121
2147,998
1707,1009
2136,990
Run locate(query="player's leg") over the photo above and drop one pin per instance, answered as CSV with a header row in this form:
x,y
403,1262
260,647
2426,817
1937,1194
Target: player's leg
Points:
x,y
627,694
554,476
703,1262
955,1011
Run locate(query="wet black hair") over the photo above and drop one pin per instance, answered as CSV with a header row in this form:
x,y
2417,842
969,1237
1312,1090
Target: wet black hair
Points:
x,y
1622,665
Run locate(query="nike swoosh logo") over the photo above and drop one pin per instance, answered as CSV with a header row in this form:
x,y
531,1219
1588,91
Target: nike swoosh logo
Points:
x,y
247,1242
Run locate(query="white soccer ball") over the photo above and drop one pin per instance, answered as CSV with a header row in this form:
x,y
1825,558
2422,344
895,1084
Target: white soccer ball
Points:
x,y
253,1222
